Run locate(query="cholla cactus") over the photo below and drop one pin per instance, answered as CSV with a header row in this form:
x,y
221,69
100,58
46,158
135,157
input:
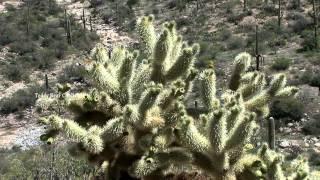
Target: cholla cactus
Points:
x,y
135,118
268,164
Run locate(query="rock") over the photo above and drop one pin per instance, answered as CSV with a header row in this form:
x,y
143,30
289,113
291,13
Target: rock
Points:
x,y
287,130
317,145
315,139
281,129
284,144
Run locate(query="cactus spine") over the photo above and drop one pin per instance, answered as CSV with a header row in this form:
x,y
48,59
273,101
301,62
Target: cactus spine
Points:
x,y
135,118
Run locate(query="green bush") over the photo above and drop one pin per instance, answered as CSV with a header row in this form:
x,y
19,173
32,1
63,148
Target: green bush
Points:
x,y
95,3
308,40
223,34
281,64
236,42
315,81
71,71
182,22
16,72
306,77
290,109
23,47
270,10
131,3
300,22
20,100
313,126
235,18
35,164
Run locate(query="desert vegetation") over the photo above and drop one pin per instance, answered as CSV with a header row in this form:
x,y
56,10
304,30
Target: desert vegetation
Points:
x,y
137,89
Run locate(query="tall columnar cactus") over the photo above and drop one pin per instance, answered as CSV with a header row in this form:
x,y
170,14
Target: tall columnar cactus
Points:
x,y
135,119
83,17
315,24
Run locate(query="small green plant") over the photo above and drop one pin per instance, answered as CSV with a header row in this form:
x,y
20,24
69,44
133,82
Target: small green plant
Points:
x,y
315,81
306,77
281,64
290,108
236,42
308,41
21,99
16,72
131,3
39,163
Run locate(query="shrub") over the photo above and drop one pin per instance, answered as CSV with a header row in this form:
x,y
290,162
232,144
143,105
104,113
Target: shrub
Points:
x,y
236,42
300,22
95,3
9,7
313,126
235,18
294,4
306,77
23,47
16,72
308,40
223,34
44,58
270,10
281,64
248,24
182,21
73,70
131,3
20,100
290,109
34,163
171,4
315,81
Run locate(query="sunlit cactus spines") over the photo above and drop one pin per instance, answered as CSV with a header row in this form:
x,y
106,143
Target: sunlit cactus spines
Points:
x,y
147,35
134,117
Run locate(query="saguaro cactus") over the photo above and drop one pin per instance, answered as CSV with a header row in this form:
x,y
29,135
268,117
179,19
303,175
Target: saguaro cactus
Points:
x,y
83,19
259,57
135,119
280,14
67,27
28,19
90,21
315,24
